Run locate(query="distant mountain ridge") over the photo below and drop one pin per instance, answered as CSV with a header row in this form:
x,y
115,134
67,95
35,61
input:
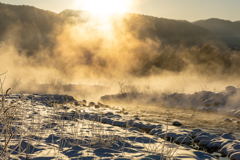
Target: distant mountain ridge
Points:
x,y
40,25
28,28
170,32
227,30
136,45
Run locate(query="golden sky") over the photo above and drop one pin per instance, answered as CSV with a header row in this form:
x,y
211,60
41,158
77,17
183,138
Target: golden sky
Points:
x,y
190,10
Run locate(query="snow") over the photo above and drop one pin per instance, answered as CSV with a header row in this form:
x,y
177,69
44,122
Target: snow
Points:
x,y
235,156
230,147
44,130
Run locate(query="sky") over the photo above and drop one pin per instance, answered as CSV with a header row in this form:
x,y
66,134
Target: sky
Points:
x,y
190,10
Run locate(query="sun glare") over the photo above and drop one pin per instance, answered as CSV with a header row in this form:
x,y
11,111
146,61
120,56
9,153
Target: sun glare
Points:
x,y
104,7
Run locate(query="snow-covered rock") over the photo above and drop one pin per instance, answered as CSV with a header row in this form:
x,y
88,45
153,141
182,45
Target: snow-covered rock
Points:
x,y
156,131
134,129
220,141
204,142
231,89
109,114
230,148
195,132
183,140
235,156
204,136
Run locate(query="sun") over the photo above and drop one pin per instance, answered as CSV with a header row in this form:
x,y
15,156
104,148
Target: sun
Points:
x,y
104,7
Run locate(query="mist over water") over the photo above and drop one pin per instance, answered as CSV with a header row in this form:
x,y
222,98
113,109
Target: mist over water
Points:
x,y
139,71
77,47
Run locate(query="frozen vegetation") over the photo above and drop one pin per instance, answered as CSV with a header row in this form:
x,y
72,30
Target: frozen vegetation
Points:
x,y
49,50
37,126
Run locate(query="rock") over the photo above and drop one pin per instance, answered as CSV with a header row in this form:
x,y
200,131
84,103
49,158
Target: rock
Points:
x,y
84,102
204,136
200,138
134,129
77,103
211,102
156,131
109,114
195,132
97,106
214,144
176,123
169,135
231,89
228,120
117,116
136,118
65,107
183,140
91,104
204,142
119,123
118,111
237,113
230,148
100,104
235,156
228,136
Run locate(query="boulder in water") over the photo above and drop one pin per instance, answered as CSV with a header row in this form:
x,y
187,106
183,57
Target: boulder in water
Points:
x,y
228,120
176,123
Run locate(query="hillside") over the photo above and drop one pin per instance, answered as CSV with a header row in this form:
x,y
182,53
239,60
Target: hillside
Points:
x,y
228,31
28,28
39,28
77,44
169,32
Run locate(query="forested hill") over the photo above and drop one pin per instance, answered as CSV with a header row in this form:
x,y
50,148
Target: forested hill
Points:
x,y
28,28
131,44
169,32
227,30
31,29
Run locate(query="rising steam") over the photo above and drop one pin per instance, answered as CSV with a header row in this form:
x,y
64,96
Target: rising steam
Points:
x,y
76,47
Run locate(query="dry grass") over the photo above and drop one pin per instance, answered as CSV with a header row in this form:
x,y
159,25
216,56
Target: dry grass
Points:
x,y
29,127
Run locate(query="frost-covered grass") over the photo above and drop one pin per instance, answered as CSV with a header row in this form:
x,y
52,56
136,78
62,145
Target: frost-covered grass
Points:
x,y
36,126
66,131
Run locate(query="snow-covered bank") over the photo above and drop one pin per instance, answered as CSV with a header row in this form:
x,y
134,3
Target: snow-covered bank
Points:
x,y
222,143
68,131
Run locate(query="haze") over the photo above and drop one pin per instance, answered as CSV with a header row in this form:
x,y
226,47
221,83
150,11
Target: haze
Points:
x,y
102,46
190,10
143,64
